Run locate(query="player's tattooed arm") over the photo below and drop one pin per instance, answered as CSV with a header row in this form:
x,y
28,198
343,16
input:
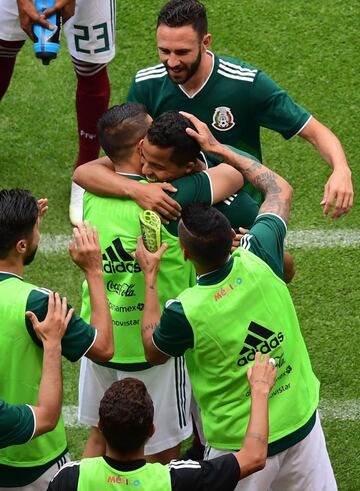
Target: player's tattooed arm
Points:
x,y
150,263
276,190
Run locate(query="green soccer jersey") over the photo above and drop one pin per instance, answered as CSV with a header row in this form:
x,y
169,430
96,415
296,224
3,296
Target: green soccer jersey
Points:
x,y
77,340
96,473
235,101
17,424
240,208
124,284
175,334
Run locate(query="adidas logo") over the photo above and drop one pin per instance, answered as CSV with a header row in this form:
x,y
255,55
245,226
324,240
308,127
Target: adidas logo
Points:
x,y
261,339
117,260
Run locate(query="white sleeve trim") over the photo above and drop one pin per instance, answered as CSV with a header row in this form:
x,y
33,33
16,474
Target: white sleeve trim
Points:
x,y
300,130
204,160
91,345
211,188
274,215
33,413
171,301
157,347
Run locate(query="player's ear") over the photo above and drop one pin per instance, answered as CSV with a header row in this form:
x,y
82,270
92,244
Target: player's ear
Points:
x,y
152,430
207,41
21,246
190,167
139,145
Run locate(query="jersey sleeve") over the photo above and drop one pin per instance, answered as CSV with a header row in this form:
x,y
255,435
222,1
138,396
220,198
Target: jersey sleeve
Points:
x,y
17,424
240,209
174,334
266,240
135,95
215,474
192,189
275,109
79,336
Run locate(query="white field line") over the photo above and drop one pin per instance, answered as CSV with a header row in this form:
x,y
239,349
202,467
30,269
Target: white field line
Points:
x,y
330,410
304,239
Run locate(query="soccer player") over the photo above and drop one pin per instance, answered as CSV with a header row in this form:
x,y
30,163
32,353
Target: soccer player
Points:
x,y
234,99
121,131
90,35
240,306
159,165
21,423
126,420
156,159
30,466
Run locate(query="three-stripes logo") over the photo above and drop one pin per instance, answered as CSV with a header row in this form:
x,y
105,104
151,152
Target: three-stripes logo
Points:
x,y
117,260
261,339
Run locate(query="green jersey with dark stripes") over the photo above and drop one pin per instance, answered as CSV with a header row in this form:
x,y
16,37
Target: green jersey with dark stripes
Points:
x,y
78,339
235,102
177,334
96,473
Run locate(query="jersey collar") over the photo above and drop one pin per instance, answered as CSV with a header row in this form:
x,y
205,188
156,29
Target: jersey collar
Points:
x,y
217,275
124,466
204,84
4,275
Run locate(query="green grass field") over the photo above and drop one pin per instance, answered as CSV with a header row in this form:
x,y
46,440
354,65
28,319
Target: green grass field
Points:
x,y
310,48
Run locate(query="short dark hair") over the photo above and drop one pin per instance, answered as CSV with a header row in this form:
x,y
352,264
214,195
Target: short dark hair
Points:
x,y
126,415
169,131
178,13
206,234
18,214
121,127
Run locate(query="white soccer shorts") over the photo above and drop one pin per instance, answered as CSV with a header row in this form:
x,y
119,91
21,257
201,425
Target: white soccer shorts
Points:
x,y
90,33
303,467
42,483
168,386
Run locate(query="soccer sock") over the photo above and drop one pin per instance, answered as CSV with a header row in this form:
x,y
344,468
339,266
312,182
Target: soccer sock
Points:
x,y
92,99
8,52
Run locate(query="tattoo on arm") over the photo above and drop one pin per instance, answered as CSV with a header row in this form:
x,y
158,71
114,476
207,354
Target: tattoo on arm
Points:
x,y
150,327
266,182
271,185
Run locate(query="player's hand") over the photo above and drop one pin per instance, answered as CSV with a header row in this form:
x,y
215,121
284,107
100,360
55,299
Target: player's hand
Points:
x,y
153,197
149,262
51,330
338,194
29,15
67,8
43,207
262,374
85,248
237,238
203,135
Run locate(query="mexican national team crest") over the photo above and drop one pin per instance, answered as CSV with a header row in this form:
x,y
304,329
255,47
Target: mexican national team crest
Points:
x,y
223,120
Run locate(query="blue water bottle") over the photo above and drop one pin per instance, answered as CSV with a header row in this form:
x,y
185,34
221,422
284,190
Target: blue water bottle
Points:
x,y
47,42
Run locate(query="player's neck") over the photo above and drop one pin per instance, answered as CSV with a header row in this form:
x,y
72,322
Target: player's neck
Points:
x,y
201,269
12,265
200,77
132,165
125,457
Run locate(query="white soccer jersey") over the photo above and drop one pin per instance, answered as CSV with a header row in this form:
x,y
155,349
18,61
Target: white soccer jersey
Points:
x,y
90,33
